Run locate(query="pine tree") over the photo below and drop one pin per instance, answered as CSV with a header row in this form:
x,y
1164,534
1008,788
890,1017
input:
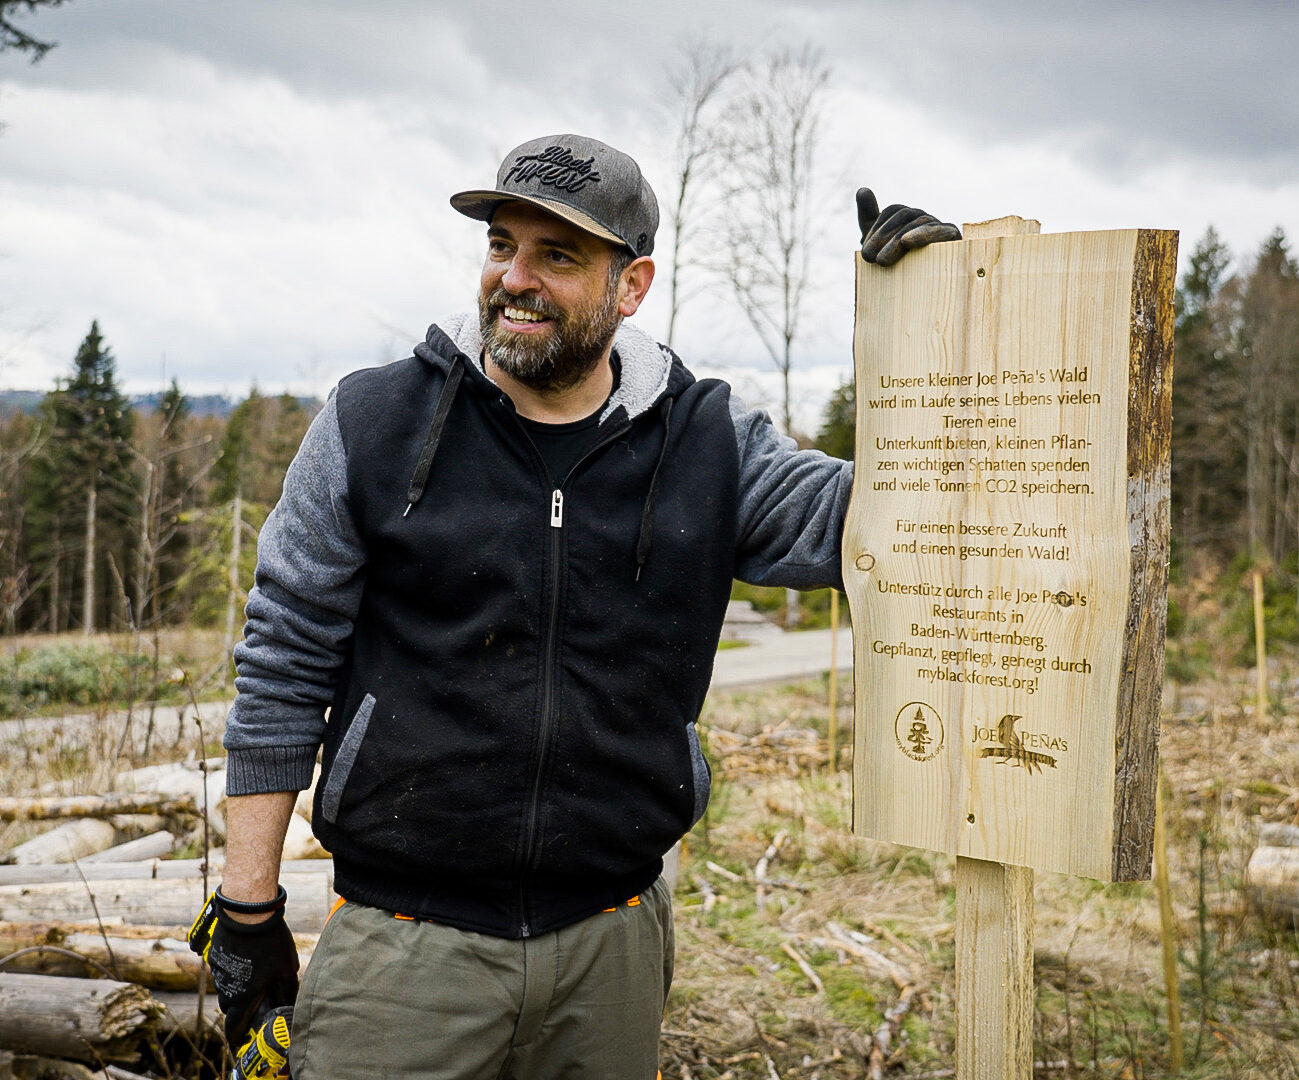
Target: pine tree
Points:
x,y
1209,421
838,434
82,491
1269,350
168,493
20,438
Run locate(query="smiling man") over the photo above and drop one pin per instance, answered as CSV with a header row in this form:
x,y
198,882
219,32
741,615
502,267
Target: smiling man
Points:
x,y
551,298
492,593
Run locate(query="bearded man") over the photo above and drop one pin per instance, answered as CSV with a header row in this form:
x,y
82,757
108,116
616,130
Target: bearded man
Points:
x,y
500,568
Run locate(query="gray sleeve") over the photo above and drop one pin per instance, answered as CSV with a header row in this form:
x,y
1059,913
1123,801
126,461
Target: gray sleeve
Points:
x,y
310,571
792,507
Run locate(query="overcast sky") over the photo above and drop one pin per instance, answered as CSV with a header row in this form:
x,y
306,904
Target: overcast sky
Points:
x,y
244,190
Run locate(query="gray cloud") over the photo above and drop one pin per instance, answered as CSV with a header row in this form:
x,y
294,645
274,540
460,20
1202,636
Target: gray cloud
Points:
x,y
257,189
1119,84
1125,85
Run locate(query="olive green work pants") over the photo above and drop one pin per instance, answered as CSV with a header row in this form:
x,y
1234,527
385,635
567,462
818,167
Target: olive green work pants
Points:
x,y
407,1000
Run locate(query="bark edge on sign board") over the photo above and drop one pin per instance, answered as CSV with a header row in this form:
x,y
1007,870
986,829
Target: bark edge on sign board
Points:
x,y
1150,388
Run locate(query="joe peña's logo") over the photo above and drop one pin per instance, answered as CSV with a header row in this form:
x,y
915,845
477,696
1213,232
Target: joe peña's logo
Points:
x,y
555,166
1010,747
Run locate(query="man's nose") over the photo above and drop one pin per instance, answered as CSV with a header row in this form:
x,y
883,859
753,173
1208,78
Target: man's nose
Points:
x,y
519,276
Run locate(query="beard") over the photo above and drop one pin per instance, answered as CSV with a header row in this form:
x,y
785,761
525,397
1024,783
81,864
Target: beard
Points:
x,y
559,359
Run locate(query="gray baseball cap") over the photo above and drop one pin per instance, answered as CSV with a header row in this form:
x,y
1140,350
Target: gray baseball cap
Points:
x,y
593,186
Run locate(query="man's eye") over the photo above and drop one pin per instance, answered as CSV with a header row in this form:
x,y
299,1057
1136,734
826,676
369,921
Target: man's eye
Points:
x,y
560,257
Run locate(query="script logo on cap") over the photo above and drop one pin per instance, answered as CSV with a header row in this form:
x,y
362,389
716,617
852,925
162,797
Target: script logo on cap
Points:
x,y
556,166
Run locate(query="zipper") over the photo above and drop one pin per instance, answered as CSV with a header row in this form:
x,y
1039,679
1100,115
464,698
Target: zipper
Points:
x,y
550,654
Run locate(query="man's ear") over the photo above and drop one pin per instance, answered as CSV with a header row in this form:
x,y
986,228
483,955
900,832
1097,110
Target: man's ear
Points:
x,y
633,284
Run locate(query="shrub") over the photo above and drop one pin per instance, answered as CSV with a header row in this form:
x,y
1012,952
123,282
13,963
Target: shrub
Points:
x,y
64,674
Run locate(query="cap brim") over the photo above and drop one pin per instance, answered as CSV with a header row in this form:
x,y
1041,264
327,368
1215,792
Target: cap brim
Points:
x,y
481,205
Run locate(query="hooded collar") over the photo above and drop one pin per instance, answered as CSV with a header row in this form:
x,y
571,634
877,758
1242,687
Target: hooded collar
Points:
x,y
648,368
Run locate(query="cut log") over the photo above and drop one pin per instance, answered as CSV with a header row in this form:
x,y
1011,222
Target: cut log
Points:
x,y
1274,834
159,958
13,808
1272,884
168,777
300,842
182,1013
132,825
161,963
64,843
153,846
162,901
153,868
207,786
34,1067
305,801
83,1019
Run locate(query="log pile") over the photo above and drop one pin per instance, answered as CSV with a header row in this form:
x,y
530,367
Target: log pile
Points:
x,y
96,978
1272,875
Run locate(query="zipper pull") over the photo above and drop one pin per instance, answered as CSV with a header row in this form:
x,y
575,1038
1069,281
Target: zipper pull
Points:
x,y
557,509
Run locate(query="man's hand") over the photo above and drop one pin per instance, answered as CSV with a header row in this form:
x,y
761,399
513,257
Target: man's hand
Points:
x,y
886,237
255,968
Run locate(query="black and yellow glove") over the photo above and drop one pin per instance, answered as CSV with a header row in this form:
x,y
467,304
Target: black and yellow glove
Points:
x,y
887,236
254,965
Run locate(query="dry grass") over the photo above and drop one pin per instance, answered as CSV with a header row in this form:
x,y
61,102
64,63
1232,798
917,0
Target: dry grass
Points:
x,y
742,1006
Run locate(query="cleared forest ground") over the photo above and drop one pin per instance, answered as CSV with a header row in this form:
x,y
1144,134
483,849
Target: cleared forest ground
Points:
x,y
805,952
854,944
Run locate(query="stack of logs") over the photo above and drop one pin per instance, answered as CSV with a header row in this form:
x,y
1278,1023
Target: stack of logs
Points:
x,y
1272,875
96,978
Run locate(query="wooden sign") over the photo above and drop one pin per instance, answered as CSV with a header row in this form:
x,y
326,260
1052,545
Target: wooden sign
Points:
x,y
1006,549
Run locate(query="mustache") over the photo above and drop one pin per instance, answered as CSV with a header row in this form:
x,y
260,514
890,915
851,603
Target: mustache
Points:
x,y
500,298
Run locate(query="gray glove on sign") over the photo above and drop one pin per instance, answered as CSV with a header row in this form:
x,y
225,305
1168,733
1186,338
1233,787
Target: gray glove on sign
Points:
x,y
887,236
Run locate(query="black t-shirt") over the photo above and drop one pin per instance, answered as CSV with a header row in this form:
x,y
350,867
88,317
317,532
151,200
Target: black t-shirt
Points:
x,y
563,445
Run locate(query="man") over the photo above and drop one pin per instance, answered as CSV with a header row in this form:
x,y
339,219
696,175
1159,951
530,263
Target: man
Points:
x,y
502,565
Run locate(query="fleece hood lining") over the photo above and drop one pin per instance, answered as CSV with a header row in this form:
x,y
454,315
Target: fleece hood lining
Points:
x,y
646,365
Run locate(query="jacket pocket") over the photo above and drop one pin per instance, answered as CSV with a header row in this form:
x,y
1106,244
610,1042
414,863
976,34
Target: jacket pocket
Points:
x,y
332,793
700,774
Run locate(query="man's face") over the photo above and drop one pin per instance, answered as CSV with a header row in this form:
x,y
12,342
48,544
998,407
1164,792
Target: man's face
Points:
x,y
548,299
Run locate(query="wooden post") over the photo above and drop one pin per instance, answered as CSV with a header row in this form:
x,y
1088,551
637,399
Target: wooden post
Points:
x,y
994,922
994,971
1005,556
1260,644
834,679
1168,937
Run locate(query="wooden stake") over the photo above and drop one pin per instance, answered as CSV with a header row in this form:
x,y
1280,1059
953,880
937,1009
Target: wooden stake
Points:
x,y
1260,643
834,677
1168,936
994,971
994,925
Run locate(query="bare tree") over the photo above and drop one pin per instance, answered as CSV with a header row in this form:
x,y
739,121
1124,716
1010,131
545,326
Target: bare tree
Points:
x,y
20,440
697,93
772,138
772,134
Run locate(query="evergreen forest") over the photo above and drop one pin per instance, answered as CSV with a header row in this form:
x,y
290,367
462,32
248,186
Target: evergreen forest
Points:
x,y
114,518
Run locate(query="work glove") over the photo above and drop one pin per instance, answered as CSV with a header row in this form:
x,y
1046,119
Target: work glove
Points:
x,y
887,236
254,967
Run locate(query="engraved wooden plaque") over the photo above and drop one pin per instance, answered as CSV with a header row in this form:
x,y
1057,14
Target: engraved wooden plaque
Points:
x,y
1006,548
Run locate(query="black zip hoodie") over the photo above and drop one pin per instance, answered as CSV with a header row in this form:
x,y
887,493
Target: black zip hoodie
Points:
x,y
516,661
